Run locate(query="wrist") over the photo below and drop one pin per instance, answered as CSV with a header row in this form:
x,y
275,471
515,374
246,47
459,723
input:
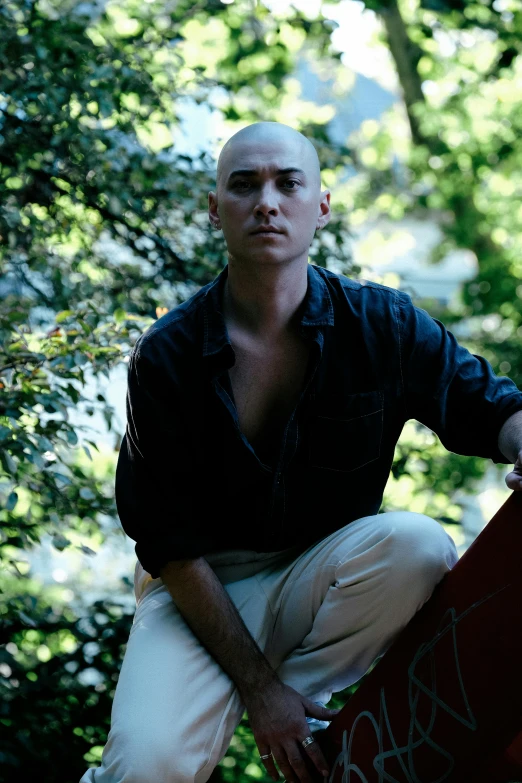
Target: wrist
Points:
x,y
510,437
257,686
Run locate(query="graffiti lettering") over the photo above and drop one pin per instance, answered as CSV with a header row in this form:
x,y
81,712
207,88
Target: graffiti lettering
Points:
x,y
418,734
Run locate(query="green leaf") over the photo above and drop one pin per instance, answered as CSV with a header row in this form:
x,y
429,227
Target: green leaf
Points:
x,y
5,432
79,358
87,494
12,500
35,457
119,315
62,315
8,462
26,619
44,443
59,477
86,550
72,437
60,542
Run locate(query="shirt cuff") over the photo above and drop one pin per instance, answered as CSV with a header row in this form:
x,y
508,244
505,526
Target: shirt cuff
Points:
x,y
153,555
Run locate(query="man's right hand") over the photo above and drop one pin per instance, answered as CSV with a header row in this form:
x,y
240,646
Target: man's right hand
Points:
x,y
276,711
277,716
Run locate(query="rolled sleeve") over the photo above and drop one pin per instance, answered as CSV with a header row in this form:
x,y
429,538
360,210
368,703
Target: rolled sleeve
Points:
x,y
155,492
450,390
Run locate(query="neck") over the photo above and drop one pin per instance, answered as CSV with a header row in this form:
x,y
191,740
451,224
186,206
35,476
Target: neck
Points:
x,y
263,300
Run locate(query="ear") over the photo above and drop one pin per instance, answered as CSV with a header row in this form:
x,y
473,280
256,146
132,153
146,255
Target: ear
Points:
x,y
213,214
324,210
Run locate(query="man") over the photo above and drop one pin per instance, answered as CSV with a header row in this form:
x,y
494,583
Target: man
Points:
x,y
262,419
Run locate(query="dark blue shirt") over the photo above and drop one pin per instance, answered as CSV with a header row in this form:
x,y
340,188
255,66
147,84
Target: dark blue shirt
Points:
x,y
188,482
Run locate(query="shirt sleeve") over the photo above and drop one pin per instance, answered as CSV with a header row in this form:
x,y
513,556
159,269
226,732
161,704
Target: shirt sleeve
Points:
x,y
155,493
450,390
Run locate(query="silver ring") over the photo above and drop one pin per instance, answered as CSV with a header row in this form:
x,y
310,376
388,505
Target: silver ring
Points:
x,y
267,756
307,741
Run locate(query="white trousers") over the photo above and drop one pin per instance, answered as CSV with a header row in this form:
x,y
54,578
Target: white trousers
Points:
x,y
321,618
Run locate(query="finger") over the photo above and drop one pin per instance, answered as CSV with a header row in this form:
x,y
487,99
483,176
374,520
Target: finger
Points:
x,y
514,481
297,765
292,764
316,755
279,756
323,713
270,765
329,714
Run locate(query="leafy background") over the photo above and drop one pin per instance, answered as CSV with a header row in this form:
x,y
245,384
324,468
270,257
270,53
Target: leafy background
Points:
x,y
103,225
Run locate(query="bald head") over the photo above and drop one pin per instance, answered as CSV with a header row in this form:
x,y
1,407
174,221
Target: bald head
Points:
x,y
266,134
268,175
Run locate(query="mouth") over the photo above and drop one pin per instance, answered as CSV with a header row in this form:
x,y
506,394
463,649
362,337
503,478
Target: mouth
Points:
x,y
266,231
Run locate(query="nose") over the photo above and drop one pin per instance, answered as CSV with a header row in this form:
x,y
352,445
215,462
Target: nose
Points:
x,y
267,203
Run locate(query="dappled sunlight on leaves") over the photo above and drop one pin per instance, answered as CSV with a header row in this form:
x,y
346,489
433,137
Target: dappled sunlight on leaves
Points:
x,y
104,228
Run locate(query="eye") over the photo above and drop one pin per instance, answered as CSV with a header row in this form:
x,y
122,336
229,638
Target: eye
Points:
x,y
291,184
241,184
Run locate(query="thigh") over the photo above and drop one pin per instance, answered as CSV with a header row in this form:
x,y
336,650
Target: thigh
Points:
x,y
175,709
378,569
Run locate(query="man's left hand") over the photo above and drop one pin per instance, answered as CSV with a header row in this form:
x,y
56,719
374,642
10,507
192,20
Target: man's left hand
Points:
x,y
514,479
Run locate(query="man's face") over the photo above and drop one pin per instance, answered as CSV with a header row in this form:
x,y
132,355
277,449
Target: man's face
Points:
x,y
269,202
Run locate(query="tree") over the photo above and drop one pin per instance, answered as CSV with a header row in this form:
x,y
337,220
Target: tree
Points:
x,y
103,224
458,64
457,136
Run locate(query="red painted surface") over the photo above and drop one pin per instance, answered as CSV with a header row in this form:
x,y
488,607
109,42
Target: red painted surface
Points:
x,y
445,702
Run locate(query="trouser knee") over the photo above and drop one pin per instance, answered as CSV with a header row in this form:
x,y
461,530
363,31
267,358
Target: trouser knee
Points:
x,y
145,758
419,553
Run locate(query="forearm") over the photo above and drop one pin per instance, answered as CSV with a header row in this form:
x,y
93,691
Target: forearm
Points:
x,y
510,437
207,609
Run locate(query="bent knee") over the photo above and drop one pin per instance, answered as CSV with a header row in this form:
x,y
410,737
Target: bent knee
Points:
x,y
417,546
414,554
142,757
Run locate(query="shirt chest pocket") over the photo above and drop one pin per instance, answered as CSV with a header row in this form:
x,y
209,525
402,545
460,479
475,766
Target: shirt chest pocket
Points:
x,y
346,433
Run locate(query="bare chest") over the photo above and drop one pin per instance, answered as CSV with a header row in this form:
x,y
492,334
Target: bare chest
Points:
x,y
267,382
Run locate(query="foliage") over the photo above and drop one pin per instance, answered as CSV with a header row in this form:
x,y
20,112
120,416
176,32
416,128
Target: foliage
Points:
x,y
461,92
103,224
60,673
